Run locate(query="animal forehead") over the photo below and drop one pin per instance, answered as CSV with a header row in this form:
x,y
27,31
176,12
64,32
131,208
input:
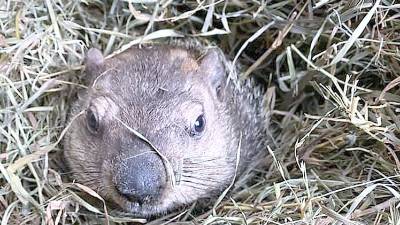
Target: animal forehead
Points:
x,y
150,69
156,113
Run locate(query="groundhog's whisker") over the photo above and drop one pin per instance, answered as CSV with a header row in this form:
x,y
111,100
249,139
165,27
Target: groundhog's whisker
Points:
x,y
196,182
201,168
91,172
199,160
197,178
199,187
200,178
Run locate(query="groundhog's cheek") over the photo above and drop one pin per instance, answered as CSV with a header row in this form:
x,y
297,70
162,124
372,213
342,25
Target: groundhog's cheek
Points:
x,y
216,143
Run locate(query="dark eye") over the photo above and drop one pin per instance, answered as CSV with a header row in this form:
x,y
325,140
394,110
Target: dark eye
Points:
x,y
92,121
199,125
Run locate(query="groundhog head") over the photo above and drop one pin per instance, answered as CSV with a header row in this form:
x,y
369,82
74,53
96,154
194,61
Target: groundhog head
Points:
x,y
152,132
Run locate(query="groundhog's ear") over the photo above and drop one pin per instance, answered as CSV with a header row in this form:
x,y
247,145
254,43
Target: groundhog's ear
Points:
x,y
94,64
213,66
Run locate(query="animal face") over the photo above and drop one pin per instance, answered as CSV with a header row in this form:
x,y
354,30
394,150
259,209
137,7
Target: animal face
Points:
x,y
153,132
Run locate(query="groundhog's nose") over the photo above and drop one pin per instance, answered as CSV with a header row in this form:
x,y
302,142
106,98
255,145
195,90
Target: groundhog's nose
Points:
x,y
141,177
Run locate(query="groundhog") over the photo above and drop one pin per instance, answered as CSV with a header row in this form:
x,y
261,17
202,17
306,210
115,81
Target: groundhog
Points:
x,y
163,125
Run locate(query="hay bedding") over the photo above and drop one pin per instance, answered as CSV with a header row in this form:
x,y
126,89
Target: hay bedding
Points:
x,y
333,72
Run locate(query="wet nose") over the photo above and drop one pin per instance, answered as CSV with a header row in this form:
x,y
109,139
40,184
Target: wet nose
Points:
x,y
141,177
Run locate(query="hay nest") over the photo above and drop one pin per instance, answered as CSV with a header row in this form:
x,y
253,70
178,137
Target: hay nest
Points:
x,y
333,71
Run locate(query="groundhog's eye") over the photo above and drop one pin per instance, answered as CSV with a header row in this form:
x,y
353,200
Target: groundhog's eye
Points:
x,y
199,125
92,120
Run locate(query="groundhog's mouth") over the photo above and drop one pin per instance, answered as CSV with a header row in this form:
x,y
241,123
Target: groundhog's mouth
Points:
x,y
146,209
135,208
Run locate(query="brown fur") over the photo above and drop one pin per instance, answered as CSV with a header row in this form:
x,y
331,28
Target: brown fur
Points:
x,y
159,92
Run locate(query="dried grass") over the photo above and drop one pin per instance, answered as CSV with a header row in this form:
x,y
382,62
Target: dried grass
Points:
x,y
335,66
